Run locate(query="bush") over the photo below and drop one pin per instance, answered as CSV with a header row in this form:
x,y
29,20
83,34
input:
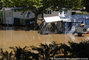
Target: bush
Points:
x,y
48,51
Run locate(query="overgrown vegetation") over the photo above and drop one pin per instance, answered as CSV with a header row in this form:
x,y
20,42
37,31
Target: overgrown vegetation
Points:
x,y
47,51
1,17
39,6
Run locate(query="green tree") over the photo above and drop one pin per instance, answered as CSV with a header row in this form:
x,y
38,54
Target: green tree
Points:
x,y
69,4
32,5
86,4
39,6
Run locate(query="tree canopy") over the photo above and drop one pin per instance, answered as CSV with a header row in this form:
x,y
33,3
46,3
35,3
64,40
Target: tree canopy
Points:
x,y
86,4
72,4
40,5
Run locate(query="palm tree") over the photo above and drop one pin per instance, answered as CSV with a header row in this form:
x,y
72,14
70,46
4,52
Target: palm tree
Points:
x,y
21,53
47,51
6,55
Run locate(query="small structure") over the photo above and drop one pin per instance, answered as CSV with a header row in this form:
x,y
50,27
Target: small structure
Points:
x,y
64,22
56,24
11,17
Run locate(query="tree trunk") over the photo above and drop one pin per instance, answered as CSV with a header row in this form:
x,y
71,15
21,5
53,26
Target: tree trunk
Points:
x,y
36,24
36,16
42,14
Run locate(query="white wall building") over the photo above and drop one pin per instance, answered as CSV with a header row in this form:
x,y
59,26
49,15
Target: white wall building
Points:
x,y
9,14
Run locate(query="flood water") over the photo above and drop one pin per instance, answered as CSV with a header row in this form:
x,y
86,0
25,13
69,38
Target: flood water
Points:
x,y
11,38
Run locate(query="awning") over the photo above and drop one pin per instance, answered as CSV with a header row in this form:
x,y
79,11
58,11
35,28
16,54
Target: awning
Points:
x,y
55,19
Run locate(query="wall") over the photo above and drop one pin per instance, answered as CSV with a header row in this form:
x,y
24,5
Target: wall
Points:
x,y
53,13
9,14
65,13
18,14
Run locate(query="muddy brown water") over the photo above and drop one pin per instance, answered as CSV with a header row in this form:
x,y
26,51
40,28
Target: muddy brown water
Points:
x,y
11,38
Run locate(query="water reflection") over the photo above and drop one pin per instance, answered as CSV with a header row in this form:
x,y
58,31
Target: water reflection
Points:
x,y
25,28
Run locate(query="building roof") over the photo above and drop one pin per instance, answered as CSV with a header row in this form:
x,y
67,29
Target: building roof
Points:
x,y
73,18
55,19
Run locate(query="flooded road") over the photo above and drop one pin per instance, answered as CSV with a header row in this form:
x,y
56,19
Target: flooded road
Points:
x,y
10,38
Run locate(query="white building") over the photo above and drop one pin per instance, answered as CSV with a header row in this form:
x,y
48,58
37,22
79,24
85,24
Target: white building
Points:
x,y
9,14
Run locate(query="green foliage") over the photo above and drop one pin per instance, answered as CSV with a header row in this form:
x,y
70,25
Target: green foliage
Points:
x,y
1,16
5,55
47,51
86,4
41,5
76,4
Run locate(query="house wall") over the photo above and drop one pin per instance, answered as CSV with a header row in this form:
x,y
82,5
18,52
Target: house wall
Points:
x,y
9,14
65,13
58,13
18,14
51,13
